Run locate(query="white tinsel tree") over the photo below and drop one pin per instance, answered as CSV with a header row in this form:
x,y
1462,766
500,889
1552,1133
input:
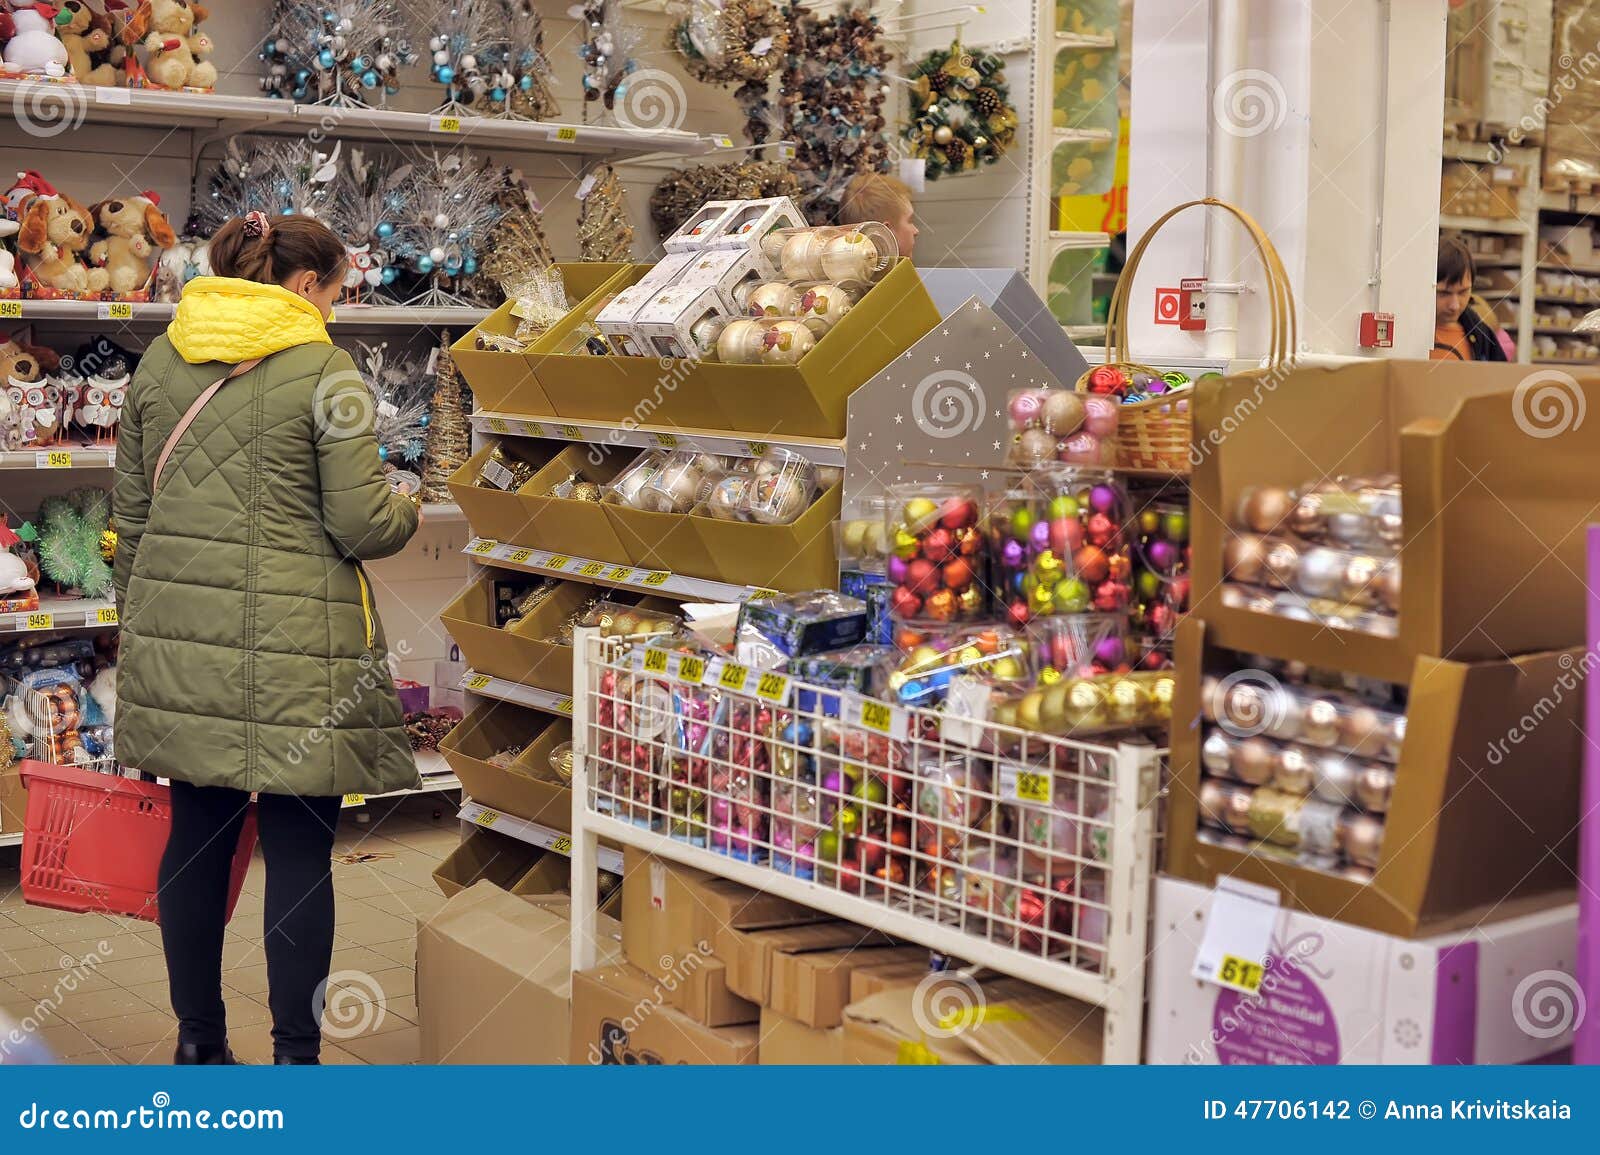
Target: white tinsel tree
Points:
x,y
403,394
370,205
278,176
610,37
341,52
453,209
524,68
466,39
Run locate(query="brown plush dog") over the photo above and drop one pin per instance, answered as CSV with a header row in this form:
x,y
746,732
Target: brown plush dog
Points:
x,y
132,230
55,230
86,36
20,361
175,49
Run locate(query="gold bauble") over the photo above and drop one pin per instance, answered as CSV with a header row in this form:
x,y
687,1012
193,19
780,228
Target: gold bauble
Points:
x,y
943,134
585,491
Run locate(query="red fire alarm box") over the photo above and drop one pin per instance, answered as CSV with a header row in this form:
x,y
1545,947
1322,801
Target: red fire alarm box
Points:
x,y
1377,331
1192,304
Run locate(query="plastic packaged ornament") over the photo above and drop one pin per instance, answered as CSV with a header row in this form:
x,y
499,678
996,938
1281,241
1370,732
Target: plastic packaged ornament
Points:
x,y
617,620
1362,514
822,306
1079,646
1323,719
682,481
926,671
1320,573
627,488
1078,559
1042,420
1161,569
1011,521
739,772
1073,826
863,541
774,299
951,801
855,254
936,553
501,470
780,489
784,342
726,501
1078,707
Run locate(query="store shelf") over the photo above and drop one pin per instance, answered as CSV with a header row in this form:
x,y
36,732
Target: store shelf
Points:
x,y
61,613
1077,40
61,457
531,832
160,313
1550,266
11,839
819,451
442,511
605,573
437,777
52,106
1556,331
1483,225
1060,135
515,693
1567,360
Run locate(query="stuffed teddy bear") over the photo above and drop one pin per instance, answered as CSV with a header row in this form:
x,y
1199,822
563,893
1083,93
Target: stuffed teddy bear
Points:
x,y
131,231
176,52
55,230
31,42
87,36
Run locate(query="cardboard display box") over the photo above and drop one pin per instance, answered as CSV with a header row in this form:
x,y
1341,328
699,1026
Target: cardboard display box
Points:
x,y
494,978
868,980
13,801
1495,497
1010,1023
620,1018
520,653
1335,993
671,918
1484,808
505,382
786,1043
498,513
485,856
533,517
813,987
527,788
752,958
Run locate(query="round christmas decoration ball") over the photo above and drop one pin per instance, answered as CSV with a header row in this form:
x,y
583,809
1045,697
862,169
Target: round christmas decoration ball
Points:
x,y
1107,379
958,513
1374,787
1361,835
919,515
938,545
786,342
970,601
1066,535
1362,730
1294,772
943,135
895,569
1071,596
1265,508
1011,555
905,544
1216,754
1319,723
849,256
1063,411
922,577
1244,558
1321,573
1253,761
1387,583
957,573
1282,565
941,606
852,536
1039,537
1099,529
1110,652
904,604
1025,407
1175,526
773,299
1091,563
1100,415
1063,505
1086,448
1163,555
1102,499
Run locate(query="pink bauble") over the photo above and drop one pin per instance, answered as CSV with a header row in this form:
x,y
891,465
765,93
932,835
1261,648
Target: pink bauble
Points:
x,y
896,567
1100,414
1084,448
1066,535
1025,406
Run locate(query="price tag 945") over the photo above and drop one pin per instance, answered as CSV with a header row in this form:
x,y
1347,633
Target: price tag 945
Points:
x,y
10,309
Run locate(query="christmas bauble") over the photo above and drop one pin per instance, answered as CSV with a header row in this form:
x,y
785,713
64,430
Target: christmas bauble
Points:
x,y
773,299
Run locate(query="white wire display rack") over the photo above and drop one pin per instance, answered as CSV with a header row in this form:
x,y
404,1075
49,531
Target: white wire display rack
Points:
x,y
1027,854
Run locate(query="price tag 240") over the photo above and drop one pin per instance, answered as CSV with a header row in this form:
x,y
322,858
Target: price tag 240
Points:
x,y
655,661
691,669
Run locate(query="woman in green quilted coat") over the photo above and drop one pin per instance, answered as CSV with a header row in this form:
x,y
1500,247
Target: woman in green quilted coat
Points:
x,y
252,658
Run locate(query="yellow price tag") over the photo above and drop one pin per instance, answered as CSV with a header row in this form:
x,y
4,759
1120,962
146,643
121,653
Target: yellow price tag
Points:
x,y
619,573
772,687
916,1054
477,682
876,716
40,621
562,845
724,142
355,799
54,459
655,661
106,616
971,1016
518,556
1033,787
484,545
666,441
571,432
533,429
691,669
656,577
448,124
564,706
733,676
756,448
487,817
557,561
1240,974
11,309
758,594
117,311
567,132
591,569
498,426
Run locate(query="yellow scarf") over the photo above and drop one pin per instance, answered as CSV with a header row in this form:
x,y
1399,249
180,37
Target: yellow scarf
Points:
x,y
228,319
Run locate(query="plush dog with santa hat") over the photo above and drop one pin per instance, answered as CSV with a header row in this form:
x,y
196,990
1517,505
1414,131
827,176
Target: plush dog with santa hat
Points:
x,y
130,234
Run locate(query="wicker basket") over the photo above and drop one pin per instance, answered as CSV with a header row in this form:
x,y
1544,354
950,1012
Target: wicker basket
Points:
x,y
1155,434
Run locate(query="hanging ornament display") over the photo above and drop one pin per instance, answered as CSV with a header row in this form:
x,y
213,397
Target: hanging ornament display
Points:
x,y
742,42
525,69
452,206
961,111
340,52
520,250
682,191
467,40
284,176
402,397
449,440
370,202
607,49
832,92
604,233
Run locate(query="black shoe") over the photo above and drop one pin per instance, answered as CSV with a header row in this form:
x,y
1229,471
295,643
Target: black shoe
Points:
x,y
295,1061
204,1055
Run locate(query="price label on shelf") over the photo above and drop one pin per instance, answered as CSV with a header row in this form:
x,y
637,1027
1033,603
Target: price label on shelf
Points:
x,y
724,141
656,577
759,593
655,661
756,448
773,688
618,573
518,556
557,561
591,569
105,94
39,620
1238,934
53,459
565,132
450,124
733,677
571,432
476,682
115,311
666,441
564,706
498,426
106,616
353,800
1025,784
691,670
563,845
533,429
487,817
879,717
10,309
483,546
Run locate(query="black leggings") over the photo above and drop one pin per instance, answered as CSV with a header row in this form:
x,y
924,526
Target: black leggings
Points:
x,y
297,838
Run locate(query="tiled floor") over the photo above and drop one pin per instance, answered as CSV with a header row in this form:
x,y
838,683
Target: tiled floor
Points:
x,y
92,989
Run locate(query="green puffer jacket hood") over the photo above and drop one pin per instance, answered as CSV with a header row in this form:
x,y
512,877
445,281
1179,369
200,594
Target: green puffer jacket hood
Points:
x,y
252,656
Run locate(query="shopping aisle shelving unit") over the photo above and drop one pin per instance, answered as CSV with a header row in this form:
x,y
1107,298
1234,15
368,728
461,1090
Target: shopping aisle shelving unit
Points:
x,y
1114,981
534,834
605,573
1524,226
817,450
505,690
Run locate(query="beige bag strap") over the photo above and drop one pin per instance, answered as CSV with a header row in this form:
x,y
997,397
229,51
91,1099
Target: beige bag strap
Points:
x,y
187,419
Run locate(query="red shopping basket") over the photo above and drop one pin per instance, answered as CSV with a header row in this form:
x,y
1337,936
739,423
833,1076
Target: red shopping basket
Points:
x,y
93,842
